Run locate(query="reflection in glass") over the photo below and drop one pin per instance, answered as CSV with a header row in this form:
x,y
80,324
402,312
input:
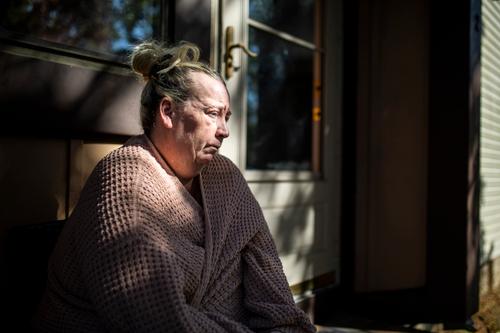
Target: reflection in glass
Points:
x,y
293,17
108,26
279,104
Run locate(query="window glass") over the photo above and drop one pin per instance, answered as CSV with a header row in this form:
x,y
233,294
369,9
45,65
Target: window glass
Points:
x,y
104,26
279,104
293,17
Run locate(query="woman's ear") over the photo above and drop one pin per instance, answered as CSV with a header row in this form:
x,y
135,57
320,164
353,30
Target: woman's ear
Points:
x,y
165,111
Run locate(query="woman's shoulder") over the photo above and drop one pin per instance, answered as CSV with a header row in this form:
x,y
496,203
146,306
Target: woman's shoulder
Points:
x,y
126,158
223,162
222,167
222,176
120,170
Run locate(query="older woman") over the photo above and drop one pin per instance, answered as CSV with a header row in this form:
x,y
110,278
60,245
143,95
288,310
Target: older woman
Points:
x,y
167,235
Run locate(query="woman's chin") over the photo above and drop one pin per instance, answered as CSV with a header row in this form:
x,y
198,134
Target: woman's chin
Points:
x,y
203,162
205,159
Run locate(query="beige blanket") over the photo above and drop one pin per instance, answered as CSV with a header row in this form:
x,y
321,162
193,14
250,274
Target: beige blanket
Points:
x,y
140,254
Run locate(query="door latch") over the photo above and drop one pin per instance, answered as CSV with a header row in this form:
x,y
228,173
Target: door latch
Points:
x,y
230,46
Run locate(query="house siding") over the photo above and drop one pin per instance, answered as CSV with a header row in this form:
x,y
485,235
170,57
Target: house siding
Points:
x,y
490,130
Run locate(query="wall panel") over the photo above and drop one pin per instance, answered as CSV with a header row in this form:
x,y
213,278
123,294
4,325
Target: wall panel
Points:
x,y
490,130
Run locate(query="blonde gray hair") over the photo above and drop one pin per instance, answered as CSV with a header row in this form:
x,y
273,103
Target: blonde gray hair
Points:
x,y
166,71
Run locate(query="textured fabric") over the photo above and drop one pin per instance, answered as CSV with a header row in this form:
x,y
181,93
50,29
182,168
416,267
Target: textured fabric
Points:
x,y
139,254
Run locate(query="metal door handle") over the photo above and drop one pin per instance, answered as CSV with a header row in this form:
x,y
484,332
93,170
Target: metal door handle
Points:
x,y
230,46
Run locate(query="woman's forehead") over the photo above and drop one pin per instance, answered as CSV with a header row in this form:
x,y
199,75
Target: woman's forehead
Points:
x,y
206,86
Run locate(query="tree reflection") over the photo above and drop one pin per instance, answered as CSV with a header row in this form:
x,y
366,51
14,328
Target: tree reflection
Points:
x,y
108,26
293,17
279,103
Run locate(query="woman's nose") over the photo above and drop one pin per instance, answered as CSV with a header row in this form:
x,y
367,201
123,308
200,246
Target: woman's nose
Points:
x,y
222,129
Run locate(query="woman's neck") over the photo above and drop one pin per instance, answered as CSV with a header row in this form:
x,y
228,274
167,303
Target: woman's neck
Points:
x,y
193,187
188,183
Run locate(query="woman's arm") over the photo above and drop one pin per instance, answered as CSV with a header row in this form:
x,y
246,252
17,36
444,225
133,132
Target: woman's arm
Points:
x,y
136,287
267,294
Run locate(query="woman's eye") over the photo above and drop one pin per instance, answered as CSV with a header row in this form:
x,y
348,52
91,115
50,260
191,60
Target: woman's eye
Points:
x,y
213,113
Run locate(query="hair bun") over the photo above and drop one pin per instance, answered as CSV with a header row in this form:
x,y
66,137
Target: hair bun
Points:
x,y
144,57
150,58
158,65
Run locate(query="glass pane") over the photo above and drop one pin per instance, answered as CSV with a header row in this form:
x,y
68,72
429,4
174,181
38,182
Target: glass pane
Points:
x,y
279,104
108,26
293,17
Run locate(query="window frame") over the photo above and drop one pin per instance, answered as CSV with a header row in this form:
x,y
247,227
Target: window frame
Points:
x,y
59,52
317,47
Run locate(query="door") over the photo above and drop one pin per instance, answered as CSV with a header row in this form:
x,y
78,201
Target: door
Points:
x,y
410,224
272,57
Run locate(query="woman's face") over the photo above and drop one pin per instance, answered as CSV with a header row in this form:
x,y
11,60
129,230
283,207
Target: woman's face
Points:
x,y
198,126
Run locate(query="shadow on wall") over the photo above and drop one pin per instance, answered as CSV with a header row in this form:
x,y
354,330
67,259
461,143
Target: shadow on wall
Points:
x,y
33,180
45,105
296,213
50,99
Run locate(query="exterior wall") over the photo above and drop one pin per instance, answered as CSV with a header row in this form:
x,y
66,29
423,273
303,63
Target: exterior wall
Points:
x,y
57,110
33,181
41,178
490,273
490,135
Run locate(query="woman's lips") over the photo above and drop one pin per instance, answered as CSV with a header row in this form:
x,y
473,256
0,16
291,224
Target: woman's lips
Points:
x,y
211,149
